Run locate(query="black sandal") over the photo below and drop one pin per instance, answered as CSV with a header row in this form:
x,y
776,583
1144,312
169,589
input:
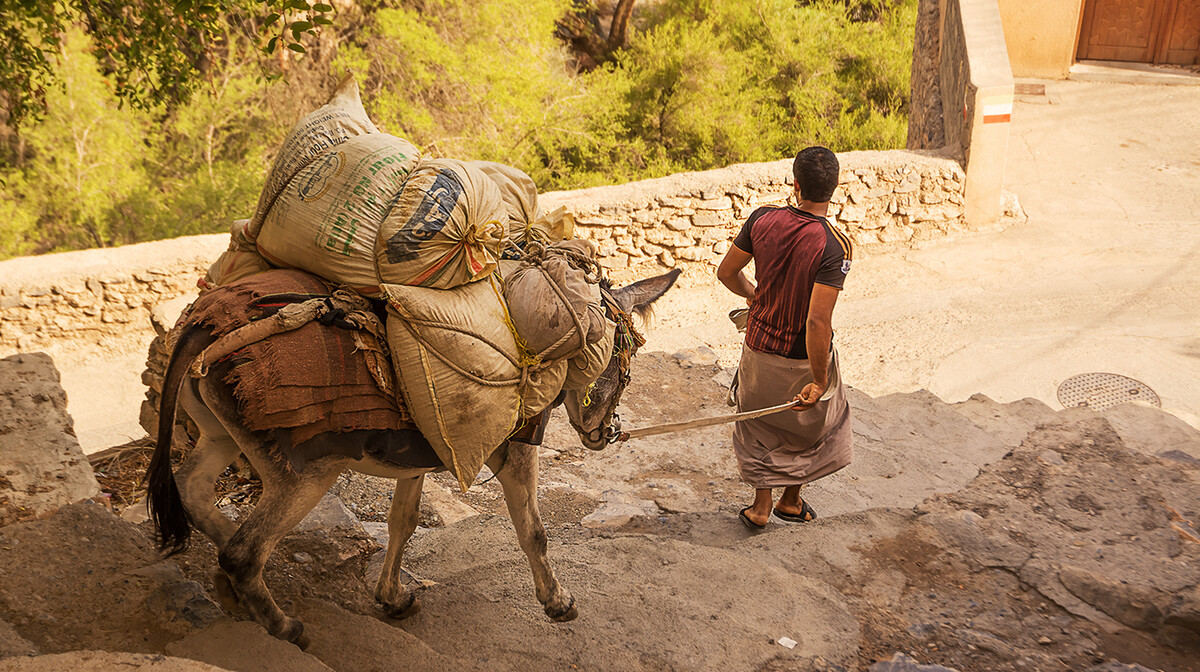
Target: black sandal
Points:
x,y
750,523
806,514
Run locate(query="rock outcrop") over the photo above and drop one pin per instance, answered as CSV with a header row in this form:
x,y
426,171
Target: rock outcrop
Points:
x,y
41,464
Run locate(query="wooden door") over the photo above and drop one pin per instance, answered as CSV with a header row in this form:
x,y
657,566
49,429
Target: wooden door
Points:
x,y
1181,34
1142,31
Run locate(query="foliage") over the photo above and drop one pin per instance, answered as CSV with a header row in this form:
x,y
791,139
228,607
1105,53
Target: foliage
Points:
x,y
699,84
154,52
87,148
96,173
462,78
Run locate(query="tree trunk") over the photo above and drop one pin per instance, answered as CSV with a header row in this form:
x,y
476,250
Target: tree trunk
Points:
x,y
617,34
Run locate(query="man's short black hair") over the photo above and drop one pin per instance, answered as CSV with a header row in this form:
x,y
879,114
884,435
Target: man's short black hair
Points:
x,y
816,172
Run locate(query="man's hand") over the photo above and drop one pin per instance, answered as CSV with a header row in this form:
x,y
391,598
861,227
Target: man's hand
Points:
x,y
809,396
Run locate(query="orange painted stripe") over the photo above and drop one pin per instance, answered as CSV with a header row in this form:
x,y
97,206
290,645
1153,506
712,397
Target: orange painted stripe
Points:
x,y
997,119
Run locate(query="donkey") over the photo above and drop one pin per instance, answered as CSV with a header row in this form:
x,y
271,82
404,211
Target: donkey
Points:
x,y
289,494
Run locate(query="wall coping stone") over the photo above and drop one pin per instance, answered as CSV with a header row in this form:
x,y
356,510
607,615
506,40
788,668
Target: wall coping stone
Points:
x,y
644,193
46,271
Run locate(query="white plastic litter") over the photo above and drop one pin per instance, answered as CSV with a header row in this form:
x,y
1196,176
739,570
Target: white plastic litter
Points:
x,y
787,642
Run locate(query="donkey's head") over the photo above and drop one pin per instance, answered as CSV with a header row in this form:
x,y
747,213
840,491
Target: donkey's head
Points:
x,y
591,411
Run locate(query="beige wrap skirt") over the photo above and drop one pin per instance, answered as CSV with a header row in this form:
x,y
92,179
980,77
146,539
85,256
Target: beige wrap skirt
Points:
x,y
789,448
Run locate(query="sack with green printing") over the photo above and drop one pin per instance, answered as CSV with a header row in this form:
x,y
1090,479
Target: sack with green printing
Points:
x,y
330,125
329,218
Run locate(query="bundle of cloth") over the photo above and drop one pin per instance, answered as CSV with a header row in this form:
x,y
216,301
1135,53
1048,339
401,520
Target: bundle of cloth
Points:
x,y
493,307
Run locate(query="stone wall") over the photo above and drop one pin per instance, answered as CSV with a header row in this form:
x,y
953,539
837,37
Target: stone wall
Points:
x,y
926,127
94,295
885,200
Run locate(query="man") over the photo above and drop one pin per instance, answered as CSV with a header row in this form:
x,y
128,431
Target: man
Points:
x,y
800,264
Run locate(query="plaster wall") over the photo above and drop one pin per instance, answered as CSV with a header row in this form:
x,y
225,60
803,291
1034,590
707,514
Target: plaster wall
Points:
x,y
1041,36
977,100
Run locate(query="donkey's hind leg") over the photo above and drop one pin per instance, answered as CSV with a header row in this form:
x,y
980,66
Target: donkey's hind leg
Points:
x,y
196,478
519,477
397,599
214,451
287,497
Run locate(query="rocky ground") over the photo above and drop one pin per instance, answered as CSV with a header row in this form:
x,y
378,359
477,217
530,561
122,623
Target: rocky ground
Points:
x,y
972,536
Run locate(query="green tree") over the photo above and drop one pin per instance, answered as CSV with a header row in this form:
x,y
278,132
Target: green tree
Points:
x,y
86,153
154,52
18,230
469,79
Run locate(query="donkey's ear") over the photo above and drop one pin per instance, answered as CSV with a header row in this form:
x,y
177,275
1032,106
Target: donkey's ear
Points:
x,y
636,298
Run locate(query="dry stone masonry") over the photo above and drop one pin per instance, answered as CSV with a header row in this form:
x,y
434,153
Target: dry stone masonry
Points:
x,y
884,200
91,295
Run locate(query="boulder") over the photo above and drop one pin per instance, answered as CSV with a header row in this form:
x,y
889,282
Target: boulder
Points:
x,y
255,650
105,661
617,508
43,466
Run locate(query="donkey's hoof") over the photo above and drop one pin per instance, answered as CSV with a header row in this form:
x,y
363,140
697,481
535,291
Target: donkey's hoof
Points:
x,y
226,595
302,641
562,614
403,610
293,631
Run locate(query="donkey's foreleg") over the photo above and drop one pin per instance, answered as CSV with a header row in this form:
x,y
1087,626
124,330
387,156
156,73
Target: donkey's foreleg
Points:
x,y
397,599
519,478
287,497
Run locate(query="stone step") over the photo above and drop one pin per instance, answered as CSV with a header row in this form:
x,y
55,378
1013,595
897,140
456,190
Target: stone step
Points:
x,y
1010,422
1153,431
907,447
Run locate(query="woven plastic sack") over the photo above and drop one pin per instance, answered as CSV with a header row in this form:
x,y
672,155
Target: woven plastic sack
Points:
x,y
241,260
584,368
329,218
556,310
458,364
445,229
330,125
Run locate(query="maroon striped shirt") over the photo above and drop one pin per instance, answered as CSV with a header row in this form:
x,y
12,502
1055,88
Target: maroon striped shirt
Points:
x,y
792,250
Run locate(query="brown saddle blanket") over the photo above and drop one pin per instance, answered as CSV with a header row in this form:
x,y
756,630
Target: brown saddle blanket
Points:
x,y
301,383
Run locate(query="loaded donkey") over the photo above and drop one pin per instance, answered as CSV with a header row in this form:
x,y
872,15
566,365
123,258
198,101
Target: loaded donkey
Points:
x,y
291,488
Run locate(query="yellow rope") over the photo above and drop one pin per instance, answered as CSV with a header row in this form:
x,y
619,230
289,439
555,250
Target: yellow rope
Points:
x,y
528,358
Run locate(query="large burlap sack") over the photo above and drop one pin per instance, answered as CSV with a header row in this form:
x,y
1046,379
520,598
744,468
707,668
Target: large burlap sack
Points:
x,y
554,299
330,125
445,229
542,387
516,189
584,368
526,222
241,260
459,368
329,218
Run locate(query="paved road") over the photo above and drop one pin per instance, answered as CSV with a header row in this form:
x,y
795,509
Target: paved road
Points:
x,y
1103,277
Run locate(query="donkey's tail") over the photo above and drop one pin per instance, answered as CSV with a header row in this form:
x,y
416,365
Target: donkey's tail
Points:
x,y
171,519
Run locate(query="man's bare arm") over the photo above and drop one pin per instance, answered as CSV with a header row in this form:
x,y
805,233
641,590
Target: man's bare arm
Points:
x,y
819,334
731,275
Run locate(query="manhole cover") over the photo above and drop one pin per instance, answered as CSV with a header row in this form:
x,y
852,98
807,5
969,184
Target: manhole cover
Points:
x,y
1101,391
